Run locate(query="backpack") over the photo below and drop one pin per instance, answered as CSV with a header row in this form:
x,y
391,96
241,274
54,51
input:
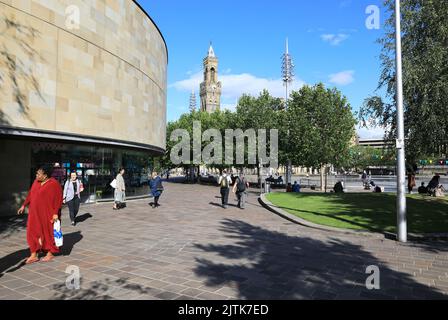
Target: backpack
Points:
x,y
224,182
241,185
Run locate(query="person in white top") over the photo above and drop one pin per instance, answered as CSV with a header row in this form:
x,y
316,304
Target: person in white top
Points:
x,y
72,195
224,182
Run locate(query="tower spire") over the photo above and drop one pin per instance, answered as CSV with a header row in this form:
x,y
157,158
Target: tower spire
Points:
x,y
211,52
210,88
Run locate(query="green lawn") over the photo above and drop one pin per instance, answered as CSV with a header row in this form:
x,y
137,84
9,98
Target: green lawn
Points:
x,y
365,211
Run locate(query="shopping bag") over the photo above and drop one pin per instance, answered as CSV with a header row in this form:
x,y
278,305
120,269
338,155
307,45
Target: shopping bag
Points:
x,y
58,238
113,184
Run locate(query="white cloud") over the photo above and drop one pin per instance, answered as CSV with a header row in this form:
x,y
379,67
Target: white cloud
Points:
x,y
342,78
334,39
235,85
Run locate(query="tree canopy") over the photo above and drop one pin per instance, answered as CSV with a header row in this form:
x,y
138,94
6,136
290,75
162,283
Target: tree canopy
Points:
x,y
316,129
425,78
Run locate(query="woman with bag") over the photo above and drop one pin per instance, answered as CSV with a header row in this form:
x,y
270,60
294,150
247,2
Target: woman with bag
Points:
x,y
156,187
120,189
45,201
72,195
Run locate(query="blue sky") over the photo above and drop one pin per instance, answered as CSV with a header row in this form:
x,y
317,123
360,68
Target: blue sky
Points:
x,y
328,40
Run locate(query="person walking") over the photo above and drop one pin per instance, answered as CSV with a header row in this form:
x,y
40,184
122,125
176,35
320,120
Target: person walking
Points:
x,y
411,181
72,195
240,189
224,182
364,180
120,190
156,187
45,202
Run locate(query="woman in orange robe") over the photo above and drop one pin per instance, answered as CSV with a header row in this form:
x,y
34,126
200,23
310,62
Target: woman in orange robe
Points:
x,y
45,201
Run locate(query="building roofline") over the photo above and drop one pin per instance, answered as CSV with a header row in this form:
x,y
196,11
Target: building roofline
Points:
x,y
155,24
76,138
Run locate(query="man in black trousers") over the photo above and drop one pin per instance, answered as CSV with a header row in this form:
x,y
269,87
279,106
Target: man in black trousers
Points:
x,y
224,182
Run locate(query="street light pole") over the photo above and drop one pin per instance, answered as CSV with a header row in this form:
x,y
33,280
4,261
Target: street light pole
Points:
x,y
401,166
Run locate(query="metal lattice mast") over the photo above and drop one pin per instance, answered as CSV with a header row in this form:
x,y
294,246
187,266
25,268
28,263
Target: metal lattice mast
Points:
x,y
192,101
288,78
287,71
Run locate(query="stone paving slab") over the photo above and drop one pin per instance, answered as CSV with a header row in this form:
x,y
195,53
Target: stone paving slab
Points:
x,y
190,248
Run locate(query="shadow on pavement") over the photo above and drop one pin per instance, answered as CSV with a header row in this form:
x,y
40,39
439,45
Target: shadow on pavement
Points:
x,y
16,260
13,261
70,240
290,267
11,225
103,289
83,218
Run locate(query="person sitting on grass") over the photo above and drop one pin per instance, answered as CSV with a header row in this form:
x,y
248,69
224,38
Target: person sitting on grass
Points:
x,y
339,187
422,189
296,187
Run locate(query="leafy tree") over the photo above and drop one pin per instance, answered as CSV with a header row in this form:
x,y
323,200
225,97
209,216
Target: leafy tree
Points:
x,y
257,113
219,120
322,127
425,78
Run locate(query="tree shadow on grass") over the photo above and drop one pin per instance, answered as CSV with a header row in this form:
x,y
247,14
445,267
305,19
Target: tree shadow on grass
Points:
x,y
377,212
336,217
291,267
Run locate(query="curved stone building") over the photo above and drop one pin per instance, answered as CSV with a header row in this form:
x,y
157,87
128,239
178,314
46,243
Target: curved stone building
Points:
x,y
82,87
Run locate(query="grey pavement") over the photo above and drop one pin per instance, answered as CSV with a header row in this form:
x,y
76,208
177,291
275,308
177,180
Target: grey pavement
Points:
x,y
191,248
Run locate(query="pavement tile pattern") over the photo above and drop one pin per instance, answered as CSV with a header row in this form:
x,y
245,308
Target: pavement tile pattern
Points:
x,y
191,248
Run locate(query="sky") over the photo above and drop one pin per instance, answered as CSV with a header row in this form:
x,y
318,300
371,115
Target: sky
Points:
x,y
328,40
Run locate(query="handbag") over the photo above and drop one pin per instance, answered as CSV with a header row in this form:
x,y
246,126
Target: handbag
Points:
x,y
58,238
113,184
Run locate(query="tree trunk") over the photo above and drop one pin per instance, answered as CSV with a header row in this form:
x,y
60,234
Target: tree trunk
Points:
x,y
322,168
326,178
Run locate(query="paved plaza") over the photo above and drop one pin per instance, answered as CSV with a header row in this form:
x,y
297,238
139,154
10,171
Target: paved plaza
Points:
x,y
191,248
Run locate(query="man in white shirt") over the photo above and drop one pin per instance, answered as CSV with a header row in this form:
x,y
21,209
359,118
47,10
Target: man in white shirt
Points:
x,y
224,182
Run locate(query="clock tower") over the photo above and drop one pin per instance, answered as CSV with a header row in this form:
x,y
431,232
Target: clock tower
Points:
x,y
210,89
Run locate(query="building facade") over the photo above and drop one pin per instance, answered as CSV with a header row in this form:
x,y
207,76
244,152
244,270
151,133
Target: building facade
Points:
x,y
210,88
82,87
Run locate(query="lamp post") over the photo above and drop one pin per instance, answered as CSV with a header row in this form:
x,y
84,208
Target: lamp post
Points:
x,y
401,166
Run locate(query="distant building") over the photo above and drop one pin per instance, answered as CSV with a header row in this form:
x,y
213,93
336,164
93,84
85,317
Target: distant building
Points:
x,y
373,143
210,89
89,99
